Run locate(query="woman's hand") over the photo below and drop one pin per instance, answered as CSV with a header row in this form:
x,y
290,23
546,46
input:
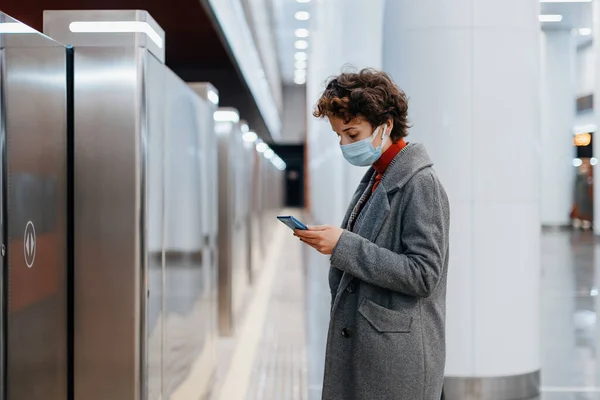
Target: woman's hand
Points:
x,y
323,238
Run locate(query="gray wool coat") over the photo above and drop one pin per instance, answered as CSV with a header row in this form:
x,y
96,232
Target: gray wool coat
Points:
x,y
386,336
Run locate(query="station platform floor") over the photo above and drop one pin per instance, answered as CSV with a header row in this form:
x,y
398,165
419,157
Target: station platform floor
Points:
x,y
278,351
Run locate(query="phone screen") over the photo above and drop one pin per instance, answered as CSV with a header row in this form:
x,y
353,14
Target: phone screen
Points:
x,y
292,222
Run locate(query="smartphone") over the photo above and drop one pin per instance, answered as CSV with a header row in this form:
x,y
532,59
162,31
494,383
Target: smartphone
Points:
x,y
292,222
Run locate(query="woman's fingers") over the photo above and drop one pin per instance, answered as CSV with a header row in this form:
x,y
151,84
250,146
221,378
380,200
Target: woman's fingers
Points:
x,y
307,234
311,241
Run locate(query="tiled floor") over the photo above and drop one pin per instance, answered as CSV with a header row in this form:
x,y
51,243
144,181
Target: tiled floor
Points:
x,y
267,360
288,361
570,302
279,370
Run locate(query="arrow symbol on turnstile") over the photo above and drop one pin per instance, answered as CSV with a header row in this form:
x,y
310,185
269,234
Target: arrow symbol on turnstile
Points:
x,y
29,242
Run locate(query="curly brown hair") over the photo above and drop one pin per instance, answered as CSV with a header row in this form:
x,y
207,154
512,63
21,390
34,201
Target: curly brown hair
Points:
x,y
369,94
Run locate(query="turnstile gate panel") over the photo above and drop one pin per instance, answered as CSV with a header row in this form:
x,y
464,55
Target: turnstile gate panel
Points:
x,y
33,124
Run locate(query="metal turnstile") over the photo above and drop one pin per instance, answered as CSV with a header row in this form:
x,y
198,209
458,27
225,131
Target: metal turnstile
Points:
x,y
234,201
142,315
34,128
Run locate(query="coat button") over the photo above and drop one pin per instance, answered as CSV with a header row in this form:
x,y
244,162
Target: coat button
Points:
x,y
347,333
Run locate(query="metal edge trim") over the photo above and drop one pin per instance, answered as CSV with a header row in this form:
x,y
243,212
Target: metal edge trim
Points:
x,y
556,227
141,209
3,233
515,387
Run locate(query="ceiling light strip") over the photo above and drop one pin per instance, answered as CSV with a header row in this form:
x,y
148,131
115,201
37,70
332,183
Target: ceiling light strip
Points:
x,y
117,27
15,27
550,18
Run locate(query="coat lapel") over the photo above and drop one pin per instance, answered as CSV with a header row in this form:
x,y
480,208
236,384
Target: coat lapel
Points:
x,y
369,225
357,194
335,275
373,215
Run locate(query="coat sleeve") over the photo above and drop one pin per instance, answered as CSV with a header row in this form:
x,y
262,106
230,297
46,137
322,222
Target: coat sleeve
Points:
x,y
424,235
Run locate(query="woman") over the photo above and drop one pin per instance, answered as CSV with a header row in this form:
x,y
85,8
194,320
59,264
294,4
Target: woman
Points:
x,y
386,336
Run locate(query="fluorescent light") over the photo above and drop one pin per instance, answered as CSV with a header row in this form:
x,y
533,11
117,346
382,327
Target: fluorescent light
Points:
x,y
577,162
302,16
300,56
584,31
303,1
226,116
565,1
15,27
250,137
261,147
269,154
300,64
117,27
584,129
244,128
278,163
300,73
301,33
299,79
550,18
213,97
301,44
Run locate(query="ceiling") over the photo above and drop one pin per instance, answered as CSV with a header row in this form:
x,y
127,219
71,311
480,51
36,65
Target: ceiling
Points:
x,y
195,49
575,16
285,27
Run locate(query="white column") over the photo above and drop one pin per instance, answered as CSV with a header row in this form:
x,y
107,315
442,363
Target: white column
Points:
x,y
341,32
325,162
361,48
471,70
558,115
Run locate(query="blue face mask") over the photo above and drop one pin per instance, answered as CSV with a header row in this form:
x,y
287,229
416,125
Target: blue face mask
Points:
x,y
362,153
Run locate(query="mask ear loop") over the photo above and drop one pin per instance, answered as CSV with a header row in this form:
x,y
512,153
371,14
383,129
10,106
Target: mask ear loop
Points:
x,y
384,135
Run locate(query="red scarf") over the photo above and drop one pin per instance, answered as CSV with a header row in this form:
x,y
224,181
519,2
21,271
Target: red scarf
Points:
x,y
385,160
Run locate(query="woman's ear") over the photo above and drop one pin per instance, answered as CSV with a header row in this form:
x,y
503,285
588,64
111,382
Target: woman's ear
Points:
x,y
390,126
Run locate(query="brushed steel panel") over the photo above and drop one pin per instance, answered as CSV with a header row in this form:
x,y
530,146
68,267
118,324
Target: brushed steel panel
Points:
x,y
233,189
29,38
34,86
256,215
154,128
209,208
186,305
57,22
239,240
225,230
2,225
108,222
248,151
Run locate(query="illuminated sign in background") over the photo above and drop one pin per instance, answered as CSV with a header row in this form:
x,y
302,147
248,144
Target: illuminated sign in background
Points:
x,y
582,139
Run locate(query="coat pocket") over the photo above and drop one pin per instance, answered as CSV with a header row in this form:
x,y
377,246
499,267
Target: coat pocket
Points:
x,y
383,319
